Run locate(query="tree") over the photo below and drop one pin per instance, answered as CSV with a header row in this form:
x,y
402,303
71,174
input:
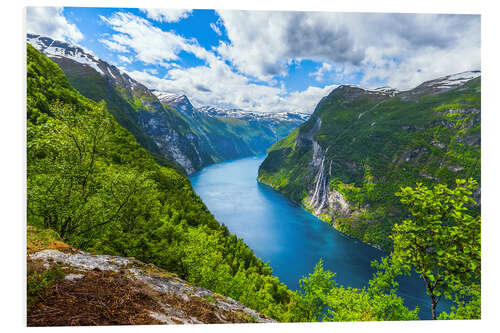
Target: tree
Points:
x,y
440,240
321,299
72,189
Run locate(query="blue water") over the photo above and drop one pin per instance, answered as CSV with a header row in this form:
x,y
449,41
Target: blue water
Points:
x,y
286,236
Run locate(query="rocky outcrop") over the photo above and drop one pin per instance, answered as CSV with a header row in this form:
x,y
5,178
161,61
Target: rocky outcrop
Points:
x,y
184,149
319,193
111,290
322,199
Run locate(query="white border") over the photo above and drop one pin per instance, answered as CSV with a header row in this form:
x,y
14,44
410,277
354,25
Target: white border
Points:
x,y
12,80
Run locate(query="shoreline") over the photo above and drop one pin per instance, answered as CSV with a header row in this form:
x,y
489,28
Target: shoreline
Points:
x,y
301,205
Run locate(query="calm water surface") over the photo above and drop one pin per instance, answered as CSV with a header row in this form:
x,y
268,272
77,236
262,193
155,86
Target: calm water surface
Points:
x,y
286,236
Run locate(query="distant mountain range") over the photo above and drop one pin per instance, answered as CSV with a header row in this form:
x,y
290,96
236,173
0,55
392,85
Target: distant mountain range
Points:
x,y
165,124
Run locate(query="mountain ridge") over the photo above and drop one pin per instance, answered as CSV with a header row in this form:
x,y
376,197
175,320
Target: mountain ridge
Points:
x,y
359,147
231,134
164,129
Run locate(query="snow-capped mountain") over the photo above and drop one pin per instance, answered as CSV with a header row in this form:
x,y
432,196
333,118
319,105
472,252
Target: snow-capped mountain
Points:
x,y
450,81
59,49
170,98
439,85
69,57
132,104
387,90
232,133
190,137
182,103
252,115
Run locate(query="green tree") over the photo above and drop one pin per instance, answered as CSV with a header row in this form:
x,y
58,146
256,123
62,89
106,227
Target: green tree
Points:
x,y
71,188
321,299
467,303
440,240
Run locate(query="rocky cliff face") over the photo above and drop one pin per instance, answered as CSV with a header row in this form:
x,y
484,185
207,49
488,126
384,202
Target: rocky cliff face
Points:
x,y
108,290
228,134
158,129
360,146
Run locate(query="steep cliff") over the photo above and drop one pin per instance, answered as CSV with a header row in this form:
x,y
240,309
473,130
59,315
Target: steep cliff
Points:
x,y
360,146
167,125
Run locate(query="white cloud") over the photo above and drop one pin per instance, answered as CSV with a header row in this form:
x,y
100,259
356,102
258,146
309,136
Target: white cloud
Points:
x,y
215,28
152,45
306,100
124,59
205,85
114,46
262,43
378,48
320,73
210,86
50,21
166,15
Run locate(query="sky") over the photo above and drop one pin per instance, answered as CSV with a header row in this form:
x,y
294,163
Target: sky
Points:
x,y
267,61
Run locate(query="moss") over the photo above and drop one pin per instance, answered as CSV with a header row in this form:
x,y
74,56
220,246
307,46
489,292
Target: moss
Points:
x,y
39,282
41,239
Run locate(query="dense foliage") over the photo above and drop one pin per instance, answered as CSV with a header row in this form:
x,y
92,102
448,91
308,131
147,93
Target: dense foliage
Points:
x,y
375,144
441,241
321,299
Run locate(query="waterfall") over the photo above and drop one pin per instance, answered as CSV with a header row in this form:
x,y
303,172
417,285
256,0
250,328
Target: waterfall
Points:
x,y
320,193
319,180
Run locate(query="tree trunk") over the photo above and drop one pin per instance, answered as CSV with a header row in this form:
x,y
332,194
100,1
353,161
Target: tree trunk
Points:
x,y
434,303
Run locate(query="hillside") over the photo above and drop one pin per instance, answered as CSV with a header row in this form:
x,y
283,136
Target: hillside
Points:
x,y
360,146
228,135
160,130
68,287
89,181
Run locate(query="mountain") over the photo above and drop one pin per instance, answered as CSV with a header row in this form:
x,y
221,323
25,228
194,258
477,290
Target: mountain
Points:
x,y
188,138
360,146
91,184
160,130
229,134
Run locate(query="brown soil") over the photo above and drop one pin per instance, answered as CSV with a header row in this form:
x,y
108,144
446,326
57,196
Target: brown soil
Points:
x,y
204,311
99,298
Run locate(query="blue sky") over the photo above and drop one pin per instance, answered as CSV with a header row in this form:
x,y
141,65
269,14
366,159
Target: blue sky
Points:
x,y
267,61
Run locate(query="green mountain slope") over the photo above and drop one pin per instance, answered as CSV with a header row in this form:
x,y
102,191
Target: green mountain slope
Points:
x,y
360,146
91,182
161,130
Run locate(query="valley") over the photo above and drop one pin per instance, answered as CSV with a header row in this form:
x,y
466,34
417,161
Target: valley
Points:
x,y
142,173
165,124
